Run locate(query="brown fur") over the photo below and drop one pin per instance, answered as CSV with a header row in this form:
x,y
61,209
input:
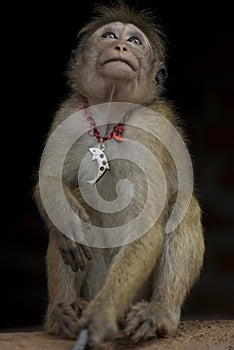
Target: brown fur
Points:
x,y
142,284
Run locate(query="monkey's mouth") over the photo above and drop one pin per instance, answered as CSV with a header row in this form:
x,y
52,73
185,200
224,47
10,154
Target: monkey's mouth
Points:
x,y
121,61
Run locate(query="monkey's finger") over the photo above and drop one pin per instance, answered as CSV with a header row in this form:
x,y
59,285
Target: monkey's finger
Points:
x,y
140,332
73,260
87,252
64,256
79,258
69,259
132,324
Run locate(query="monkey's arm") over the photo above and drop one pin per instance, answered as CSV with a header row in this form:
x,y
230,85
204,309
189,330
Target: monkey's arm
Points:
x,y
132,267
73,253
176,271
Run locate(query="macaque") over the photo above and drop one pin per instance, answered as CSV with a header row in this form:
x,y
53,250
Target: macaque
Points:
x,y
137,288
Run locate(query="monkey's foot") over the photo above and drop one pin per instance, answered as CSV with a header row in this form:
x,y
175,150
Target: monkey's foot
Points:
x,y
147,320
63,320
100,324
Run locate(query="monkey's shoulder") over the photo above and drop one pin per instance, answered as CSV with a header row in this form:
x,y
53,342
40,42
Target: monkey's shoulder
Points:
x,y
67,108
170,111
166,108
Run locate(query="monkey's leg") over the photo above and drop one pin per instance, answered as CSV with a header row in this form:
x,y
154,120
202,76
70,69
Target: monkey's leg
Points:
x,y
65,305
176,271
131,268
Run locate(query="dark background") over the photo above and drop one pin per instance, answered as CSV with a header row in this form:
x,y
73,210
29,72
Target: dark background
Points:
x,y
38,42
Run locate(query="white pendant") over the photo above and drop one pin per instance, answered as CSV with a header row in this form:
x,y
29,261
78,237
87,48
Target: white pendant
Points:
x,y
100,157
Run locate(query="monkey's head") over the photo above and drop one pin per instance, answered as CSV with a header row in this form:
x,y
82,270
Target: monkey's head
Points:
x,y
120,47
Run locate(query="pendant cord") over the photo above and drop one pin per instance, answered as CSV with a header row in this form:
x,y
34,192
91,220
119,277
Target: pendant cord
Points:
x,y
116,132
110,99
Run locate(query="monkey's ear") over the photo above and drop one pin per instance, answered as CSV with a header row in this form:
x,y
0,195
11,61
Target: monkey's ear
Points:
x,y
161,75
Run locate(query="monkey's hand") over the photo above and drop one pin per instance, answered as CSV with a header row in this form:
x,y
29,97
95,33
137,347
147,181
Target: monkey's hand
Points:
x,y
146,320
100,323
73,253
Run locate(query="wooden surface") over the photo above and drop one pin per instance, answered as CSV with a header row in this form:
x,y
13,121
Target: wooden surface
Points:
x,y
191,335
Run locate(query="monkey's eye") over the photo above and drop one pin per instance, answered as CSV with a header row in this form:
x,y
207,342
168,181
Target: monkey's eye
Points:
x,y
109,35
134,40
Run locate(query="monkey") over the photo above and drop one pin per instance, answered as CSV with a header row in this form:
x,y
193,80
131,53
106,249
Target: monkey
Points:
x,y
137,288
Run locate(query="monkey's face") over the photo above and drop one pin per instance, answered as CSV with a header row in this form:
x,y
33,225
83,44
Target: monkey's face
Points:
x,y
124,47
119,54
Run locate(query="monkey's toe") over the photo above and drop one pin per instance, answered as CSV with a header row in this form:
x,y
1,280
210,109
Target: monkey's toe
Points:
x,y
147,320
63,320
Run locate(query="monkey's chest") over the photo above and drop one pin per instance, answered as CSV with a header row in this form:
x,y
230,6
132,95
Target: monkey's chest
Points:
x,y
119,195
104,166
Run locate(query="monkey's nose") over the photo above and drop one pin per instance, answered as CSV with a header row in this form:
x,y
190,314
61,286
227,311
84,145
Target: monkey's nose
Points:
x,y
121,47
